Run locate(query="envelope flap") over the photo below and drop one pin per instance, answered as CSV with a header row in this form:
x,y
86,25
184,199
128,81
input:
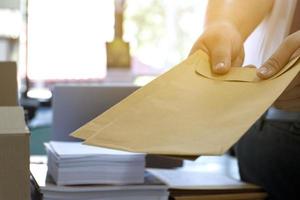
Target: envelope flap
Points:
x,y
238,74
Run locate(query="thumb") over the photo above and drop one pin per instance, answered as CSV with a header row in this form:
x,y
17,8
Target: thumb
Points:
x,y
220,58
280,58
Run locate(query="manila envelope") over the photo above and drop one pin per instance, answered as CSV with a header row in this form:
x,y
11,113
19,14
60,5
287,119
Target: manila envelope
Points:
x,y
188,110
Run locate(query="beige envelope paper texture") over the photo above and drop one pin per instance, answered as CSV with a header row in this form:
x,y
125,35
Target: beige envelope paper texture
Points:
x,y
188,110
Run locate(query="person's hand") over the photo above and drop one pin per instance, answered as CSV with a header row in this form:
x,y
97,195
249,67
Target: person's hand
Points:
x,y
289,100
224,44
289,49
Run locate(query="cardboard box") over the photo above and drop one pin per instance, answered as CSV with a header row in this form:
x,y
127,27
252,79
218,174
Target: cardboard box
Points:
x,y
14,139
14,155
8,84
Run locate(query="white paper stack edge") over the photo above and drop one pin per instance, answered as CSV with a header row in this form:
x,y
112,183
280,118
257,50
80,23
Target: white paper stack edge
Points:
x,y
72,163
151,189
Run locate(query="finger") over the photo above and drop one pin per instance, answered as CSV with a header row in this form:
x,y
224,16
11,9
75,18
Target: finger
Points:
x,y
295,54
239,60
221,58
198,46
280,58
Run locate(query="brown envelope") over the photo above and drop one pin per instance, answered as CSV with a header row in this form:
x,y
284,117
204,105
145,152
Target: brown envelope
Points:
x,y
188,110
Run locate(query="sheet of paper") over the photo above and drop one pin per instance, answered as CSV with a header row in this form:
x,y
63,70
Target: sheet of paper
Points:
x,y
188,110
243,196
191,180
72,149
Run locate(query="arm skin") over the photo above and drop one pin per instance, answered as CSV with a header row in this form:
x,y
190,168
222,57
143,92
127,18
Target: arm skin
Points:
x,y
245,15
228,24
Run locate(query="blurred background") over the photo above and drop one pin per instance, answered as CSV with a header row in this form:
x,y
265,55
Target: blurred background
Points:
x,y
68,41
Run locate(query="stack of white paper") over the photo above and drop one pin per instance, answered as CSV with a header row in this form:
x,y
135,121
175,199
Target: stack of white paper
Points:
x,y
72,163
151,189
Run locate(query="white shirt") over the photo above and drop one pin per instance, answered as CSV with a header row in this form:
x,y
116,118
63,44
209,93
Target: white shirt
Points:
x,y
267,37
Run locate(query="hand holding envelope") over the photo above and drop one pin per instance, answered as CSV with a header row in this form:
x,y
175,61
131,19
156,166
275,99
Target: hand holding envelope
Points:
x,y
288,50
188,110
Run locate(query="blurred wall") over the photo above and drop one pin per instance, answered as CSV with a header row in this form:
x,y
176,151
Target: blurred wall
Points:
x,y
10,4
5,44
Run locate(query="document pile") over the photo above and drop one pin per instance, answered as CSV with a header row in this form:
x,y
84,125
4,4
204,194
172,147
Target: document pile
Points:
x,y
151,189
72,163
194,185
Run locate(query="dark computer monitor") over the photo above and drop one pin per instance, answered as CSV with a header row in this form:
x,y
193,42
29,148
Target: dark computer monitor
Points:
x,y
75,105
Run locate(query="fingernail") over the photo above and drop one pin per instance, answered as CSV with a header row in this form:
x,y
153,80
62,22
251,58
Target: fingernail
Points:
x,y
220,66
264,71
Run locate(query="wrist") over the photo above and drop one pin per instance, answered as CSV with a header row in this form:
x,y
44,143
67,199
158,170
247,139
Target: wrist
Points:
x,y
226,27
223,25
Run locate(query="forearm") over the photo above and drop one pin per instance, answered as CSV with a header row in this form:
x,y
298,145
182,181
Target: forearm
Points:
x,y
245,15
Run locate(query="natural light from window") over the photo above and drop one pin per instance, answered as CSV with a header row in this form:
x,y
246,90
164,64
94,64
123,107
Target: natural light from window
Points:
x,y
66,38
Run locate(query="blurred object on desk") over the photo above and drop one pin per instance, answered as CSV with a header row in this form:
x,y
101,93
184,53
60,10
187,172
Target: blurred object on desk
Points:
x,y
208,178
225,164
76,104
118,51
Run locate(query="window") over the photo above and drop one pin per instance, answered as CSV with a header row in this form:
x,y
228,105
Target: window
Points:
x,y
10,23
161,32
66,38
